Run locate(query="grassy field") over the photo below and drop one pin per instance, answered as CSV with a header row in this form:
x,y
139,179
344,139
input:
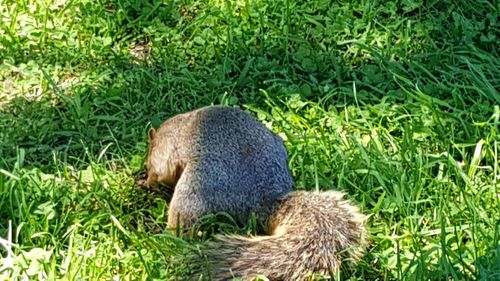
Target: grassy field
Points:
x,y
395,102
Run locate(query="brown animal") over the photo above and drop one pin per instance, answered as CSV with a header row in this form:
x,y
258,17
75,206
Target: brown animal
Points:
x,y
219,159
222,159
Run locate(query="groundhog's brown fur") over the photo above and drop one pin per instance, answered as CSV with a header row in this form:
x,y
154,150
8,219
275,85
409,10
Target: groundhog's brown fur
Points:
x,y
311,233
222,159
218,159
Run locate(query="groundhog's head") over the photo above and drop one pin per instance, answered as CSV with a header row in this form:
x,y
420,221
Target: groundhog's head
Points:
x,y
162,164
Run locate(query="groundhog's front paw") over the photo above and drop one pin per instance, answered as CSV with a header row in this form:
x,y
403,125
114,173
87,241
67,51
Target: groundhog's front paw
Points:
x,y
164,191
141,179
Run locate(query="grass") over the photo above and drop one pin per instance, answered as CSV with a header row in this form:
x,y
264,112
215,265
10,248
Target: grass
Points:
x,y
394,102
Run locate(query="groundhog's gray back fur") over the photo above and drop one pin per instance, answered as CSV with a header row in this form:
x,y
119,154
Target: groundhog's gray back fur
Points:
x,y
233,164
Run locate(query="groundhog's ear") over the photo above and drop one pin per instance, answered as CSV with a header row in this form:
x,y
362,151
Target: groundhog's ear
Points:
x,y
151,134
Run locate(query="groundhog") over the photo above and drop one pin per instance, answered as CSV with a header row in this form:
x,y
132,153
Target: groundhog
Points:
x,y
218,159
221,159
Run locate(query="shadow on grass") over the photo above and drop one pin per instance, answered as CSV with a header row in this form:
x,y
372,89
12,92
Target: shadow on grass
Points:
x,y
489,265
229,53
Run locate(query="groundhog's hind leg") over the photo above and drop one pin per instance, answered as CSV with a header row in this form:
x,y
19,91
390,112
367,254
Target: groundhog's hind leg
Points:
x,y
179,213
186,205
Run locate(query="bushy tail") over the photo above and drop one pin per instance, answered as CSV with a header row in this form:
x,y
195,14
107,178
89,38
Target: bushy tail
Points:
x,y
311,234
